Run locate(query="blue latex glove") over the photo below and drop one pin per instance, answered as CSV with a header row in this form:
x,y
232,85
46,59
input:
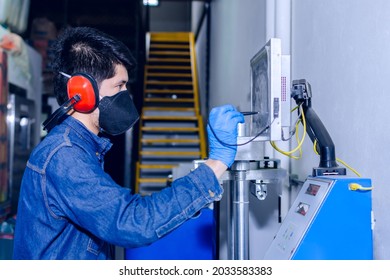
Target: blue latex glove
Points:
x,y
222,135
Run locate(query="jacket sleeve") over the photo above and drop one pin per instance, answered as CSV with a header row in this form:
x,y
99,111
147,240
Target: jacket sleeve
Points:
x,y
81,192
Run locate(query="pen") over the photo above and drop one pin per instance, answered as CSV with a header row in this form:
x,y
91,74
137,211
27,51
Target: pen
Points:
x,y
249,113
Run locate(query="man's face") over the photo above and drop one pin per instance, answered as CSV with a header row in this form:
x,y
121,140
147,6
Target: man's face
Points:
x,y
110,87
115,84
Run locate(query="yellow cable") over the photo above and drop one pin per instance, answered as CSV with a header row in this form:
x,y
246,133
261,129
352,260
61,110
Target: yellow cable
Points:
x,y
297,138
273,144
338,160
300,142
352,186
293,109
315,147
349,167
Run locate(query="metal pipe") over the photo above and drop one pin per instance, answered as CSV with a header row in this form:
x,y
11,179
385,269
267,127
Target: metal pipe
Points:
x,y
240,209
237,182
239,235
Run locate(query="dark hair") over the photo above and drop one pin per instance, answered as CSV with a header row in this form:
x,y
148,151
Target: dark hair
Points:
x,y
87,50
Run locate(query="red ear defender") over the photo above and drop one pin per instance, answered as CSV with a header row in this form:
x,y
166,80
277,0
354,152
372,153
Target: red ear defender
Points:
x,y
85,86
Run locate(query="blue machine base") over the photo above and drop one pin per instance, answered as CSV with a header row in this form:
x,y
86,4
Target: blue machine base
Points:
x,y
193,240
342,228
327,221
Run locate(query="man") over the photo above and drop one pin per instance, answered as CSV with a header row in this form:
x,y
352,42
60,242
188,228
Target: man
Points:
x,y
69,208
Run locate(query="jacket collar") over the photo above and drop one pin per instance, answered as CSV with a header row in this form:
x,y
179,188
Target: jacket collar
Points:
x,y
98,143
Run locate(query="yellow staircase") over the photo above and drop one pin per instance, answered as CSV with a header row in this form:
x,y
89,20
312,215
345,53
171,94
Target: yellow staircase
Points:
x,y
171,126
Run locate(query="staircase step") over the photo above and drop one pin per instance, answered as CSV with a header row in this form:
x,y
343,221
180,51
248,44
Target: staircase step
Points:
x,y
169,83
154,45
167,67
170,141
152,180
169,60
169,91
177,100
164,109
167,75
169,118
169,53
157,166
174,37
168,129
170,153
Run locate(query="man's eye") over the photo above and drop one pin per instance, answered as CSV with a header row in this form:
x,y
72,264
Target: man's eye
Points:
x,y
128,86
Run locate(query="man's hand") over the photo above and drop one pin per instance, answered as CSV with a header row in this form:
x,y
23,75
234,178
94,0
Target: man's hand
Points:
x,y
222,133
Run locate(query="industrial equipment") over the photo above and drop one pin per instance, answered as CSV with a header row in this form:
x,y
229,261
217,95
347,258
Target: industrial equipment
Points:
x,y
5,203
20,98
250,211
331,217
17,137
21,124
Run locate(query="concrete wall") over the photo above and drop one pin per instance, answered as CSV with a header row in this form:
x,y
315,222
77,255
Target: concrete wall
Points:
x,y
237,32
202,52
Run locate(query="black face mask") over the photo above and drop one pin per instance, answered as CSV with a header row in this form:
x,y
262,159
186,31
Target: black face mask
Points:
x,y
117,113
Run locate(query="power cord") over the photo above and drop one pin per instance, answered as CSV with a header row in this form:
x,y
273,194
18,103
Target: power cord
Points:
x,y
351,186
241,144
302,119
337,159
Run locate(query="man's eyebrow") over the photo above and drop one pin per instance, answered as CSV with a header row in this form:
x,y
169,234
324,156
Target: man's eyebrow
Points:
x,y
120,82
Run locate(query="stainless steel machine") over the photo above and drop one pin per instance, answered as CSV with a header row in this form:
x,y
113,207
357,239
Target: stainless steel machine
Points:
x,y
4,167
250,212
331,218
21,131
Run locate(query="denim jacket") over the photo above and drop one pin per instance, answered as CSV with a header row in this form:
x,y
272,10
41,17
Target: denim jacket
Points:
x,y
69,208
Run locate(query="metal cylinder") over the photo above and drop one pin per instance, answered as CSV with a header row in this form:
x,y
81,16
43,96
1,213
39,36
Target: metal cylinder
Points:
x,y
241,129
239,224
239,181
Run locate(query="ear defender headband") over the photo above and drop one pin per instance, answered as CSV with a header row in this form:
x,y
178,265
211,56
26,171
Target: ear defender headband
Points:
x,y
83,94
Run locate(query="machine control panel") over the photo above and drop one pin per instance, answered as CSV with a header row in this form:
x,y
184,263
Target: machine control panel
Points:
x,y
299,218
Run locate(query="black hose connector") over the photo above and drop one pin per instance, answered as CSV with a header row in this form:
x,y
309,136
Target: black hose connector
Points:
x,y
301,92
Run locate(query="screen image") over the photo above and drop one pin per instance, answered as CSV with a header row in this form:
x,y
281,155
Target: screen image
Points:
x,y
312,189
260,88
266,77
